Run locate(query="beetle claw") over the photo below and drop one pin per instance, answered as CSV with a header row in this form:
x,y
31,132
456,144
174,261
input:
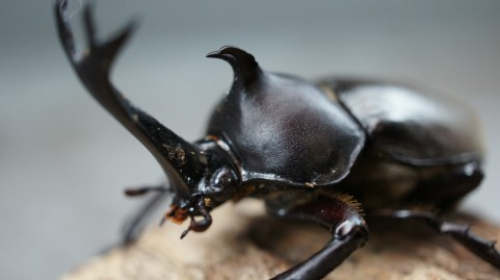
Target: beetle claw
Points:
x,y
184,233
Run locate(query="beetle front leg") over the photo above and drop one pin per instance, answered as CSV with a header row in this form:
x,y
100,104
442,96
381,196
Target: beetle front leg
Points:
x,y
144,190
135,224
341,215
482,248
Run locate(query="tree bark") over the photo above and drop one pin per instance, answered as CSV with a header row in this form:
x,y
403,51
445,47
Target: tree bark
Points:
x,y
246,244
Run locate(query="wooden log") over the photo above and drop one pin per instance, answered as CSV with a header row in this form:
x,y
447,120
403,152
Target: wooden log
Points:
x,y
244,243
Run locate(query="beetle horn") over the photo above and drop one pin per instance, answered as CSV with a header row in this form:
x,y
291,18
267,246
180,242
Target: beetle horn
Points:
x,y
245,68
180,160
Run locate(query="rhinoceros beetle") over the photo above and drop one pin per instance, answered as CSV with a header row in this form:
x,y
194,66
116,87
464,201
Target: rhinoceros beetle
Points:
x,y
332,152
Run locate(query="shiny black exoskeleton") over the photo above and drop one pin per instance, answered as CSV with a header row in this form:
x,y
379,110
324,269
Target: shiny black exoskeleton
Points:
x,y
324,152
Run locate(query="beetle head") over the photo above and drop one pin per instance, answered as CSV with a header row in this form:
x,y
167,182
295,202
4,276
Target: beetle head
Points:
x,y
219,179
217,184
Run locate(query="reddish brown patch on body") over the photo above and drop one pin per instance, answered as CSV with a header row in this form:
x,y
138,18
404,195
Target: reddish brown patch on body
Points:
x,y
176,214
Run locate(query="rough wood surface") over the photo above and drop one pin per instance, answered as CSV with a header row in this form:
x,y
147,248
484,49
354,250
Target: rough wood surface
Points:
x,y
246,244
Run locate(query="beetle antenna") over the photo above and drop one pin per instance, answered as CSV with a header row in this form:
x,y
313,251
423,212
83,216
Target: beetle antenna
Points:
x,y
245,68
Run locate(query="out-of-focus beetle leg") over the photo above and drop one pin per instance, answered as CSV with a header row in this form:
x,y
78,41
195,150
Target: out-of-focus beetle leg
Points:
x,y
341,216
483,248
135,224
144,190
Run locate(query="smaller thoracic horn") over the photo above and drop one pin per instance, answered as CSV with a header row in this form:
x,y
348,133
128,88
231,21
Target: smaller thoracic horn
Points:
x,y
180,160
245,68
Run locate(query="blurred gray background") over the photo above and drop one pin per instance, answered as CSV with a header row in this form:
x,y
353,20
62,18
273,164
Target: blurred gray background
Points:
x,y
64,161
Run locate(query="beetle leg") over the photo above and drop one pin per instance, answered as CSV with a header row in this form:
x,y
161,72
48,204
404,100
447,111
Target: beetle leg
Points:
x,y
341,215
135,225
483,248
144,190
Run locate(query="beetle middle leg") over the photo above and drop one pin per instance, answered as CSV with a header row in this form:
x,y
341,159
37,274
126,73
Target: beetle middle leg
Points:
x,y
342,216
460,232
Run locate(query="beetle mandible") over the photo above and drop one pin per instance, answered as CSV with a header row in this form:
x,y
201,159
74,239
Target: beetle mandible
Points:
x,y
322,152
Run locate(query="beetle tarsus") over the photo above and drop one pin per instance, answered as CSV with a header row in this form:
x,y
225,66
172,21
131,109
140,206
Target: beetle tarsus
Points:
x,y
482,248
